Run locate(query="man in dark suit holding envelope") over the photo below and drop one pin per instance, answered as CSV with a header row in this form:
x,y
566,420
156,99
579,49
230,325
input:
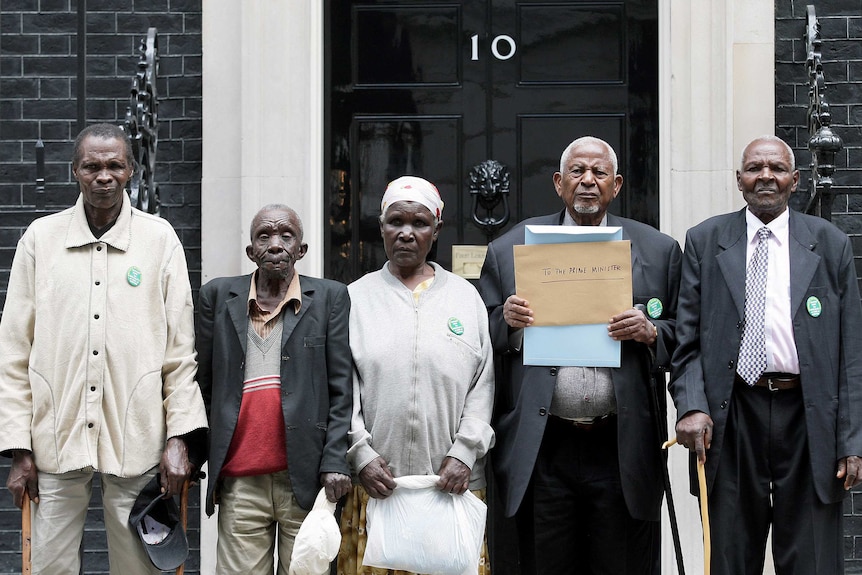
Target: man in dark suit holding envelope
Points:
x,y
577,456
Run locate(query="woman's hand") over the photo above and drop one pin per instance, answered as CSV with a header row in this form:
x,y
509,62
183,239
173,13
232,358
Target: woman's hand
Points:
x,y
377,479
454,476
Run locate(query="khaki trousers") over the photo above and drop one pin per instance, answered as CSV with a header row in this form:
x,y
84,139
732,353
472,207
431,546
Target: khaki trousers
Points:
x,y
254,513
58,523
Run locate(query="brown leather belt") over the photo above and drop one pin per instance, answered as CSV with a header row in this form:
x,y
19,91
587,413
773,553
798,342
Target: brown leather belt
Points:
x,y
600,421
776,381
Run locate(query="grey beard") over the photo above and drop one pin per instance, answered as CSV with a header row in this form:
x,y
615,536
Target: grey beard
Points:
x,y
581,209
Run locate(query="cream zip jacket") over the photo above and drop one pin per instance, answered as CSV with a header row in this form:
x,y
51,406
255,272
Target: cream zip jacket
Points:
x,y
423,385
97,358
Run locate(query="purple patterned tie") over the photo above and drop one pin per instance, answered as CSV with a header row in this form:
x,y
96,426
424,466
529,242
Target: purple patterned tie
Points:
x,y
752,349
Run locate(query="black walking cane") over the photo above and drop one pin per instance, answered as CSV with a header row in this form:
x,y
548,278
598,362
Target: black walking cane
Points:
x,y
671,510
661,429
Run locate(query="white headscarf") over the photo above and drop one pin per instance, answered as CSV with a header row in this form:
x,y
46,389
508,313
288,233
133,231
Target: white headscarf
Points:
x,y
413,189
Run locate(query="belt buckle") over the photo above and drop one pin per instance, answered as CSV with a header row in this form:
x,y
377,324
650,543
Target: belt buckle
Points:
x,y
770,386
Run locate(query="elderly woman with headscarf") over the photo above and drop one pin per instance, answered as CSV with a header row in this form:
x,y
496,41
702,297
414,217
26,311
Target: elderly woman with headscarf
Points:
x,y
423,377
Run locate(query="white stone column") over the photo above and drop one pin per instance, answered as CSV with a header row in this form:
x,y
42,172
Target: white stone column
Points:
x,y
262,125
716,84
262,137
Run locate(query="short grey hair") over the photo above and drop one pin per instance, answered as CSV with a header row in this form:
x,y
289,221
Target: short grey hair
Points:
x,y
279,207
103,131
588,140
770,138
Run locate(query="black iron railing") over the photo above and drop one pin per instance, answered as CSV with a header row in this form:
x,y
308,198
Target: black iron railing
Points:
x,y
823,143
142,125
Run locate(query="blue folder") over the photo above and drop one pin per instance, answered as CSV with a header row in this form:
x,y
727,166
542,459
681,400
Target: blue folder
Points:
x,y
571,345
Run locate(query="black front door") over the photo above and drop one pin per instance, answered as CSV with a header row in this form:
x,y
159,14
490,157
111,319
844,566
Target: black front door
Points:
x,y
433,88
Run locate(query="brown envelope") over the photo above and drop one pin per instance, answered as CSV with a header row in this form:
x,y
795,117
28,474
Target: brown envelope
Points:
x,y
574,284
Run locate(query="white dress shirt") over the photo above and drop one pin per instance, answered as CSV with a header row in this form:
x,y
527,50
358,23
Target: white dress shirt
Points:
x,y
780,345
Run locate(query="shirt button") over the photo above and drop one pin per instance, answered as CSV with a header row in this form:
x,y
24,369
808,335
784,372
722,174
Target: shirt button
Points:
x,y
543,411
98,248
553,371
96,316
98,282
92,388
95,352
90,425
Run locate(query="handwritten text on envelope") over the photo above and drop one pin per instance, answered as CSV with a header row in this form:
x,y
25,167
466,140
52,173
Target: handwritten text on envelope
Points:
x,y
576,283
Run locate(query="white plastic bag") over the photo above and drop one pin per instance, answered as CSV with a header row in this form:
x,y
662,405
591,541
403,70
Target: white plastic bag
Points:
x,y
317,541
424,530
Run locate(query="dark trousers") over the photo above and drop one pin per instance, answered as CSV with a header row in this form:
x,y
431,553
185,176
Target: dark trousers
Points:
x,y
581,525
763,478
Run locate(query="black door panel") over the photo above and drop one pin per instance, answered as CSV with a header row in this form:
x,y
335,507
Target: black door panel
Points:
x,y
433,88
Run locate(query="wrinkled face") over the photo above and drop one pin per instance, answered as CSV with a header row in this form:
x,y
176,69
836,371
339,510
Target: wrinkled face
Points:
x,y
766,178
408,232
276,242
589,184
102,172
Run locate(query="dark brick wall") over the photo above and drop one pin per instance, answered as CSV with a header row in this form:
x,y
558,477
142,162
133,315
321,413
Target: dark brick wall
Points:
x,y
38,97
841,30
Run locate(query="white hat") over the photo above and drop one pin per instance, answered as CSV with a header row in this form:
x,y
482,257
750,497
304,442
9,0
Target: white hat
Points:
x,y
413,189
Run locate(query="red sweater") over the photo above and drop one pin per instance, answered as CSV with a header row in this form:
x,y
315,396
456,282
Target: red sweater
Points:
x,y
258,445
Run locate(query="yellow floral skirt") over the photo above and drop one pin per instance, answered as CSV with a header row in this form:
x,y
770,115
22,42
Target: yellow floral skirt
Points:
x,y
353,538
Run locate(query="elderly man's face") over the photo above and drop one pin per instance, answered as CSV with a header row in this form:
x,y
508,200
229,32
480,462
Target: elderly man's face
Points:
x,y
589,184
276,242
766,178
102,172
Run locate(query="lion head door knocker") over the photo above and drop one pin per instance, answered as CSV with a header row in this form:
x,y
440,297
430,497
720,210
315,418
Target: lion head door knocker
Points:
x,y
489,187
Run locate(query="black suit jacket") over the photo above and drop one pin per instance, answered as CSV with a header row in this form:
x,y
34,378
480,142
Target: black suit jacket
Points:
x,y
525,392
316,384
709,330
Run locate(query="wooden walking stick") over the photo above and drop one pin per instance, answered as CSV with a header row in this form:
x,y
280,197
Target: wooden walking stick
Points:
x,y
26,566
184,516
704,517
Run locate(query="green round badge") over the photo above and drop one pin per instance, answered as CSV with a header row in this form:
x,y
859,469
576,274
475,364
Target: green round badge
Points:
x,y
812,304
654,308
133,276
455,326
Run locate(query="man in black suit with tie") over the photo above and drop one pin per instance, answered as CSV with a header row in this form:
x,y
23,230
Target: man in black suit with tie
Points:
x,y
767,374
577,455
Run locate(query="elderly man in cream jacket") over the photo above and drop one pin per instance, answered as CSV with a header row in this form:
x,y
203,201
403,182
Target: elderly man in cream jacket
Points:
x,y
97,362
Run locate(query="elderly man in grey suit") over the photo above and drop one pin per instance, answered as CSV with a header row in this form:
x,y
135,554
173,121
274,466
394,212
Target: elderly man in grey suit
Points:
x,y
577,454
275,371
767,375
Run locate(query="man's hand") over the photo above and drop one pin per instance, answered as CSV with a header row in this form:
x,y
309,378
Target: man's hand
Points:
x,y
174,467
23,478
694,432
850,470
377,479
336,485
454,476
632,324
517,312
